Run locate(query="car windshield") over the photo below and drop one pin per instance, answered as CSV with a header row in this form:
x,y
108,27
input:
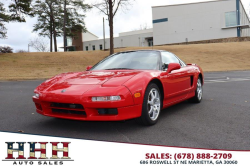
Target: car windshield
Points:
x,y
141,60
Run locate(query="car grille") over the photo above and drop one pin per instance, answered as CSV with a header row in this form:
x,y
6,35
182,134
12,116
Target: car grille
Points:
x,y
68,106
63,111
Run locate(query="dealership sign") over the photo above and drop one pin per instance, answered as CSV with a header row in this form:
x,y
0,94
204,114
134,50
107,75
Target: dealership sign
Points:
x,y
43,158
60,151
20,150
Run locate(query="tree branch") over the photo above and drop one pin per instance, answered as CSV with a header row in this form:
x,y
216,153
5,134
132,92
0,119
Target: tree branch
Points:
x,y
102,10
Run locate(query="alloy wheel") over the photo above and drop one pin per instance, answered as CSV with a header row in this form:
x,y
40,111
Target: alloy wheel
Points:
x,y
154,104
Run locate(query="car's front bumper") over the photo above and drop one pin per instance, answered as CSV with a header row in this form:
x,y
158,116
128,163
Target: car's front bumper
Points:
x,y
126,109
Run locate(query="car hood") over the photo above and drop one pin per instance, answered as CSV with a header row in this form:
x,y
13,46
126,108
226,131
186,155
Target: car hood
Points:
x,y
106,78
85,81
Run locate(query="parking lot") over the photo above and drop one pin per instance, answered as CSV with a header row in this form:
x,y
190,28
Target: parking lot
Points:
x,y
221,121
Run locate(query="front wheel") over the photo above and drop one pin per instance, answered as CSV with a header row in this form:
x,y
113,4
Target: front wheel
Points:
x,y
198,92
152,105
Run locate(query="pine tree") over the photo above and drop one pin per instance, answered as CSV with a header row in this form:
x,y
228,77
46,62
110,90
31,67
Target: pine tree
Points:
x,y
58,18
48,22
3,19
73,17
17,10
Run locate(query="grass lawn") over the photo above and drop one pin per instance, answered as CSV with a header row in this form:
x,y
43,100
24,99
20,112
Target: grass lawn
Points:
x,y
211,57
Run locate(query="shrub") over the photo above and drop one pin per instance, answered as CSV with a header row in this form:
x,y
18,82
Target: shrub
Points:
x,y
21,51
6,49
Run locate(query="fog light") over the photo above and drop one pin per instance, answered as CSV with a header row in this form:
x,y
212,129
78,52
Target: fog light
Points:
x,y
108,111
106,98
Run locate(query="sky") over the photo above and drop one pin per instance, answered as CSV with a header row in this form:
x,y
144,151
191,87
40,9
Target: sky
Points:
x,y
139,13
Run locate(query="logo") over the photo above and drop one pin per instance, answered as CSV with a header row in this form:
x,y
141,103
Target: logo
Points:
x,y
64,90
41,157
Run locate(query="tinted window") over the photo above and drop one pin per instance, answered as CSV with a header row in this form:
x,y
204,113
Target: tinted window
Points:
x,y
168,57
141,60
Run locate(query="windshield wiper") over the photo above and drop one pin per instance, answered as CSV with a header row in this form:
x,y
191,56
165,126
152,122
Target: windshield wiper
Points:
x,y
119,69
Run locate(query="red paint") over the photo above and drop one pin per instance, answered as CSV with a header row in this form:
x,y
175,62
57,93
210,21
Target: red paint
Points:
x,y
173,66
81,86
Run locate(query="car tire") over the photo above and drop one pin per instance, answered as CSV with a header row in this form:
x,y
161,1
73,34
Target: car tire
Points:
x,y
198,92
152,105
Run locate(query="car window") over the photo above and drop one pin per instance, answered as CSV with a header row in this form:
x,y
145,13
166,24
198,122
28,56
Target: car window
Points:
x,y
168,57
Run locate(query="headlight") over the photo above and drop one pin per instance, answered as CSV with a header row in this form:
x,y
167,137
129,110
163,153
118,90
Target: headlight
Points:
x,y
106,98
36,95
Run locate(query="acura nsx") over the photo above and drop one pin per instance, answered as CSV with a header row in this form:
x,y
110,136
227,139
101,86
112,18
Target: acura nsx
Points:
x,y
125,85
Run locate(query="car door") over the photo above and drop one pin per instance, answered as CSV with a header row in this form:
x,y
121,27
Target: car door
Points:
x,y
176,83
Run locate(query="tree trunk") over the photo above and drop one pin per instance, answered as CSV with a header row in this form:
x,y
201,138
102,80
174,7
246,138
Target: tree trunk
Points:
x,y
111,16
64,27
54,30
55,42
51,35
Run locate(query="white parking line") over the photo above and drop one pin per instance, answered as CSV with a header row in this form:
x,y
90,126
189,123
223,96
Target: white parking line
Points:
x,y
228,80
217,77
225,79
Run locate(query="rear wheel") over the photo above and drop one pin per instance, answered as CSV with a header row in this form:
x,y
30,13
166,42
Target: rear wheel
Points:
x,y
198,92
152,105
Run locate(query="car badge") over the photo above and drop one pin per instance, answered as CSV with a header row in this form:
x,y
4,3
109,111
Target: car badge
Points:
x,y
64,90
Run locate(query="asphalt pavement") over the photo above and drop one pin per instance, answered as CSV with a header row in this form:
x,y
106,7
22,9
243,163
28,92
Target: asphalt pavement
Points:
x,y
220,121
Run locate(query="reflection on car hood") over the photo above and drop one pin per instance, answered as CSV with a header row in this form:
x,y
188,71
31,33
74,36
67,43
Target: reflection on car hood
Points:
x,y
106,78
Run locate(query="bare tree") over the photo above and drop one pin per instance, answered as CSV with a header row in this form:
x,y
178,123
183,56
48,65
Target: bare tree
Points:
x,y
110,8
40,44
143,27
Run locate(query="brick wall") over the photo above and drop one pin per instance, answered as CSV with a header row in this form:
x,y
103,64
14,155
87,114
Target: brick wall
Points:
x,y
77,41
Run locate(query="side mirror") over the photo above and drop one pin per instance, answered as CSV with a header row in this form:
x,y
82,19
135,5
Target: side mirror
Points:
x,y
88,68
173,66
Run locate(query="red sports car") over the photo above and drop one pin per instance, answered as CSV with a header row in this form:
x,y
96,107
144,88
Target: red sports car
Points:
x,y
125,85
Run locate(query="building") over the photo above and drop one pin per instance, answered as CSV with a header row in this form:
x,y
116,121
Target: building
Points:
x,y
140,38
182,23
76,43
199,21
